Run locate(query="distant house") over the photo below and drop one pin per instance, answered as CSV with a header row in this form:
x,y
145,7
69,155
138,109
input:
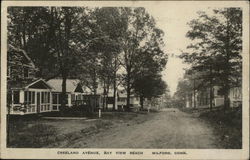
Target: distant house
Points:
x,y
19,65
74,92
202,97
25,93
155,102
235,96
121,100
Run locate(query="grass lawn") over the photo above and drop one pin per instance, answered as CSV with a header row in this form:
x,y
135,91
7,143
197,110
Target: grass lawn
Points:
x,y
37,132
227,124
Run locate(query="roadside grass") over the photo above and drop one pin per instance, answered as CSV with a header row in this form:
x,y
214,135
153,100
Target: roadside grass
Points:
x,y
37,132
34,136
227,124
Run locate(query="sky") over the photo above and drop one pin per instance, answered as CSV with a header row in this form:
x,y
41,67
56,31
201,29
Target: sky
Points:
x,y
173,21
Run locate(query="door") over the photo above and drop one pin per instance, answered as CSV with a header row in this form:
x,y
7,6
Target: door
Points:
x,y
38,102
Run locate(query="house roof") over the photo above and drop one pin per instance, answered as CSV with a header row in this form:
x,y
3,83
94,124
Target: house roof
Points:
x,y
11,47
71,84
25,84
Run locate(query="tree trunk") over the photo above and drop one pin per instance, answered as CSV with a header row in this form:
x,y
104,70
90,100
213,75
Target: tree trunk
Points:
x,y
114,94
107,97
141,101
194,95
128,92
64,67
64,96
210,90
104,96
226,97
227,58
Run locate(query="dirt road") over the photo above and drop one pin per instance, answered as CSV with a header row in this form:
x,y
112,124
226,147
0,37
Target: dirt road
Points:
x,y
169,128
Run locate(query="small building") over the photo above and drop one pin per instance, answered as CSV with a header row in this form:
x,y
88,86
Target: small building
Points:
x,y
26,94
121,100
74,93
29,97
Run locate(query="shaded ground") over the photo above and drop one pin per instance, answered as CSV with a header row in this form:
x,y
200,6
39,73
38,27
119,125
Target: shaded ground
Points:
x,y
170,128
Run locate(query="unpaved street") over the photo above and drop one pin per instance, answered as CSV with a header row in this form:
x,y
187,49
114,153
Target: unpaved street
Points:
x,y
169,128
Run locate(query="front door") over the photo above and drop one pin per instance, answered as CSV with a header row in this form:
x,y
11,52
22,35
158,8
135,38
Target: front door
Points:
x,y
38,101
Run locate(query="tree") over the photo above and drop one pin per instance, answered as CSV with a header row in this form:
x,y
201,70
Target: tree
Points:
x,y
54,36
138,30
149,86
184,86
110,25
216,51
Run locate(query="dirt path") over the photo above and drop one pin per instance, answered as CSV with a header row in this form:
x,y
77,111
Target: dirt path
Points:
x,y
170,128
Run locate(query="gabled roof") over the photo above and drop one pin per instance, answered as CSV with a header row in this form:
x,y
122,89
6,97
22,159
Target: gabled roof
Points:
x,y
25,84
40,83
11,47
71,85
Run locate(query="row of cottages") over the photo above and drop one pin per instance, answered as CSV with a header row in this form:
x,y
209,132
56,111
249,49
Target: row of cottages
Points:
x,y
27,94
202,98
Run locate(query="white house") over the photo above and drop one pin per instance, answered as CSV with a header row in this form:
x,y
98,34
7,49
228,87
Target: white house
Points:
x,y
30,97
74,92
202,98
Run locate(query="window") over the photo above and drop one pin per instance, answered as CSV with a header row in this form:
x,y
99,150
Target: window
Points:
x,y
29,97
42,97
60,98
26,96
33,98
48,97
73,97
55,98
16,97
26,72
45,97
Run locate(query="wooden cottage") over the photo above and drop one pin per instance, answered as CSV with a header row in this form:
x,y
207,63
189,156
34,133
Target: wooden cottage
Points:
x,y
25,93
74,92
29,97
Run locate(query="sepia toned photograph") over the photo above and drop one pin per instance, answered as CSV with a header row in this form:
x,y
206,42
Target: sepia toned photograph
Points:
x,y
125,78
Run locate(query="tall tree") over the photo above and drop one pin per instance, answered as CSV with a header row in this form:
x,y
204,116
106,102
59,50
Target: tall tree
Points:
x,y
54,36
138,31
110,25
216,51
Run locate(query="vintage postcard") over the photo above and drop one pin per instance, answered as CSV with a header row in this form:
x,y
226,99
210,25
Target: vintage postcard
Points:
x,y
125,80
